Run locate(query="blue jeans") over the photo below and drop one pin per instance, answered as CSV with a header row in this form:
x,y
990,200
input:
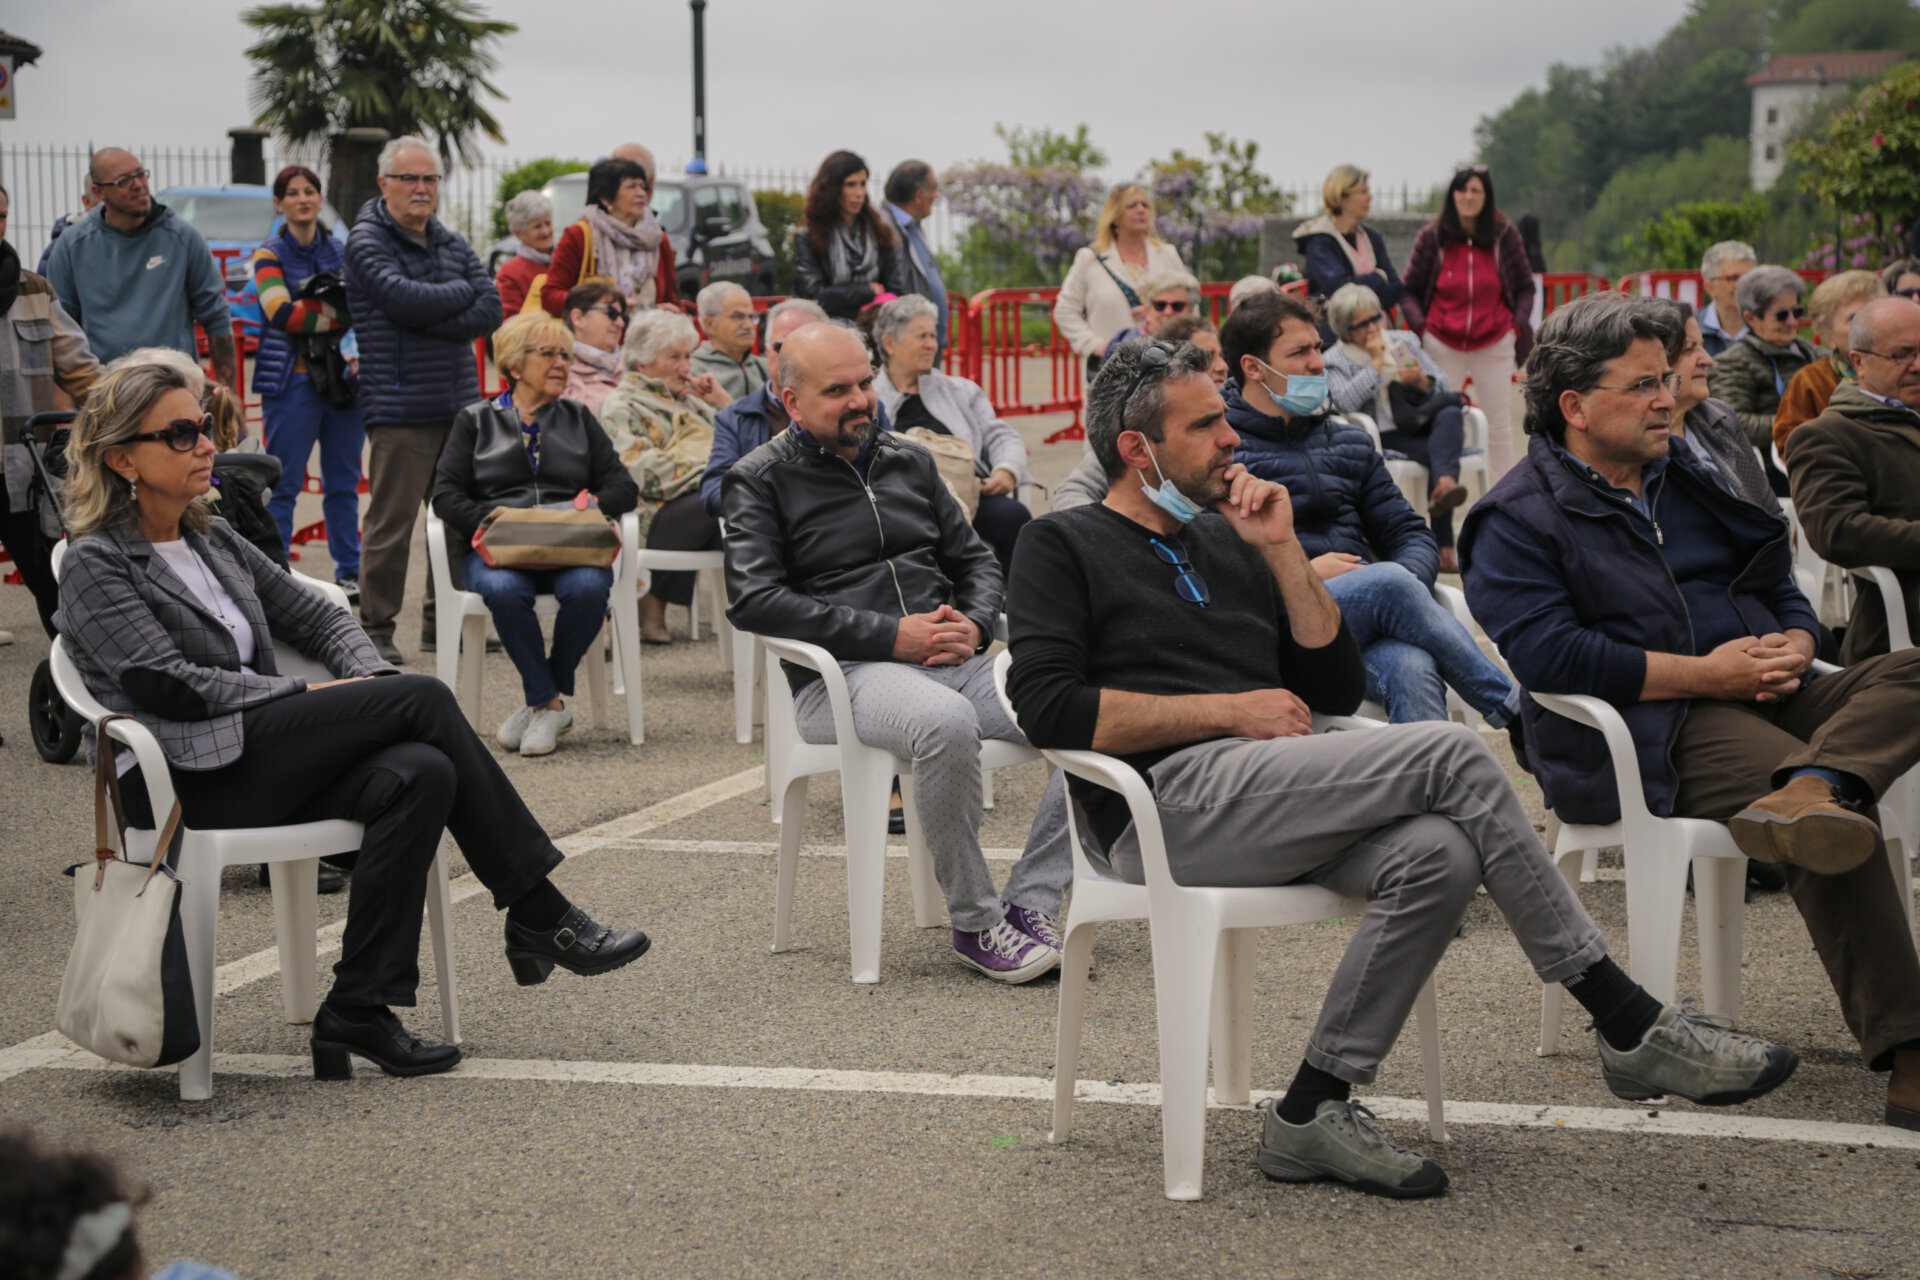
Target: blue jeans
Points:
x,y
1414,648
294,420
1439,452
582,592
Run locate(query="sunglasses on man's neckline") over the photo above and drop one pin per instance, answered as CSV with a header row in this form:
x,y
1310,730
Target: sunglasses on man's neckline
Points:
x,y
182,434
1186,583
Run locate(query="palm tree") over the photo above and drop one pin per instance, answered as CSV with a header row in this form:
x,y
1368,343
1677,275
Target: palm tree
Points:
x,y
407,66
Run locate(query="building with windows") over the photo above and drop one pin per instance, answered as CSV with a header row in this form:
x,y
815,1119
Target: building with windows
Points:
x,y
1787,87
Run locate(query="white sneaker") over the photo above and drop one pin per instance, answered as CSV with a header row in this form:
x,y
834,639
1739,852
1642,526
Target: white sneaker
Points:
x,y
514,728
544,730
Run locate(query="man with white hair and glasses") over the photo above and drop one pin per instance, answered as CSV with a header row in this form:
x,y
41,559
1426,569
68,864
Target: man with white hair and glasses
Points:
x,y
1720,270
726,314
419,298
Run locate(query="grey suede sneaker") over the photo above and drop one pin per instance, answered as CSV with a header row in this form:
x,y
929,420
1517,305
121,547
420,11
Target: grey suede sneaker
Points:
x,y
1697,1057
1341,1143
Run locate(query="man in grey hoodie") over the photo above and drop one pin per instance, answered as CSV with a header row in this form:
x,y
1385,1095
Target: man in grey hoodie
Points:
x,y
135,275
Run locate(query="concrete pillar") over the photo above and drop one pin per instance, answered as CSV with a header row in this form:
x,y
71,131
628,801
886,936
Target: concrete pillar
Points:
x,y
353,167
249,159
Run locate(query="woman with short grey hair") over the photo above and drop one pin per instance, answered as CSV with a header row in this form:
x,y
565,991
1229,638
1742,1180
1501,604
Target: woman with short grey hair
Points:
x,y
916,394
530,219
171,618
1364,366
661,420
1752,374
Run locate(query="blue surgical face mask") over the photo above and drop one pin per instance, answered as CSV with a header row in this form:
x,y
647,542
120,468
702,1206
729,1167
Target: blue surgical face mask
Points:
x,y
1305,391
1165,496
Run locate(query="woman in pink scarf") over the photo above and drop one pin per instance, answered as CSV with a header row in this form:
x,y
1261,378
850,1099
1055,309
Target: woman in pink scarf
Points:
x,y
617,240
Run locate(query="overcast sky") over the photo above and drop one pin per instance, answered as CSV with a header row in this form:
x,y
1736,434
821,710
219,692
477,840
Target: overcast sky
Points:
x,y
1393,85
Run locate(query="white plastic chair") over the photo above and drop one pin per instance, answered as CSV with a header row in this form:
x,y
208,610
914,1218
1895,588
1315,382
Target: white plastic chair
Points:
x,y
1826,585
1204,948
1413,478
1887,583
292,855
461,619
866,777
1658,852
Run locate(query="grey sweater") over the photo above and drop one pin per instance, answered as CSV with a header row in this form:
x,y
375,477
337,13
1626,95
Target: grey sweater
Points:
x,y
139,288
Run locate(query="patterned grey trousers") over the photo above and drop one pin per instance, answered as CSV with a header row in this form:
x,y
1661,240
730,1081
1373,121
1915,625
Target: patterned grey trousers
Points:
x,y
936,717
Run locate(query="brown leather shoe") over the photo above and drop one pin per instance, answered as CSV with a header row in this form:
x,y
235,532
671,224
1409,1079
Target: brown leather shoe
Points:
x,y
1903,1090
1803,824
1447,494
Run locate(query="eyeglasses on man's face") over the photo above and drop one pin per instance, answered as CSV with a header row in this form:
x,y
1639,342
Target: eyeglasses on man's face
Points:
x,y
1647,388
125,180
413,179
1903,359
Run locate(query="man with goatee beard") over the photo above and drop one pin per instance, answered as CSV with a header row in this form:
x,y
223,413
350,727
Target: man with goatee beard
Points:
x,y
845,536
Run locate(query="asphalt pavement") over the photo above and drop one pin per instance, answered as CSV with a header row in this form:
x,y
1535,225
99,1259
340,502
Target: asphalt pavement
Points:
x,y
719,1110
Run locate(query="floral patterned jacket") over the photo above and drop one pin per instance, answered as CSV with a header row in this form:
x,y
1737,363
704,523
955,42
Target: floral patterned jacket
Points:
x,y
662,439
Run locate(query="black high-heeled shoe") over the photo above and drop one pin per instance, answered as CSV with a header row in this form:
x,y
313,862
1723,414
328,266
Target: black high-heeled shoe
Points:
x,y
576,944
381,1041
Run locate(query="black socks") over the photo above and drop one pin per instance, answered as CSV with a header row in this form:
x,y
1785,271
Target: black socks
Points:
x,y
1311,1086
540,908
1621,1008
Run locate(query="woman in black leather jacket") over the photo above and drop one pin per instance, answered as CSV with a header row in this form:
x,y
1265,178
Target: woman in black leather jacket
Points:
x,y
529,447
845,253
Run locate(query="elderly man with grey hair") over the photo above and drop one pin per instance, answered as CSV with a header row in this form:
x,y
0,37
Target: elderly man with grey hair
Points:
x,y
1720,270
726,313
1180,626
419,298
918,395
530,219
909,615
1612,563
1752,374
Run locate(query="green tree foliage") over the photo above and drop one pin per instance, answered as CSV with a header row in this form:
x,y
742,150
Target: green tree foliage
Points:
x,y
1865,162
780,212
531,176
1680,237
1612,237
406,66
1042,148
1210,208
1826,26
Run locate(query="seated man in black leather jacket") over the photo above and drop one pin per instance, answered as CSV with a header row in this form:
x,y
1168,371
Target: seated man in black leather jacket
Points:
x,y
846,537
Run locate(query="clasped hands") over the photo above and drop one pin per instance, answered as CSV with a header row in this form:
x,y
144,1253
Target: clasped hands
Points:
x,y
944,638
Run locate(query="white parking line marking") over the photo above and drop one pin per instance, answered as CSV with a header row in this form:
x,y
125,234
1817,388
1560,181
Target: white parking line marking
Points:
x,y
1661,1122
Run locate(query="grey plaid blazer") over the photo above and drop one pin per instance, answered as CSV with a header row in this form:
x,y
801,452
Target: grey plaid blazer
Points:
x,y
148,648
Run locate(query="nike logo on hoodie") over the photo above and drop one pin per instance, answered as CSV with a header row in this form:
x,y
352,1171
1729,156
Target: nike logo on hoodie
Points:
x,y
156,260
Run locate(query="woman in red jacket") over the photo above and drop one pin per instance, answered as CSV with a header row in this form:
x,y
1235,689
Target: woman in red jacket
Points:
x,y
1470,273
617,240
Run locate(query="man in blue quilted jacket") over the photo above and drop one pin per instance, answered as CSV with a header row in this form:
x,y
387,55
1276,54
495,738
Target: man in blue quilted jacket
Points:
x,y
1363,538
419,298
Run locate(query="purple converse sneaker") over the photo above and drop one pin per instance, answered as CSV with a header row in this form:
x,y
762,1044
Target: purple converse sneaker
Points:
x,y
1036,925
1004,953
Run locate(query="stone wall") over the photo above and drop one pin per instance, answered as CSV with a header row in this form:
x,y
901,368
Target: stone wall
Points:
x,y
1399,229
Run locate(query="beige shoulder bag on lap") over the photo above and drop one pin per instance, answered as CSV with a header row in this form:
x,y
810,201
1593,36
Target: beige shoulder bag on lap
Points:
x,y
561,536
127,994
954,457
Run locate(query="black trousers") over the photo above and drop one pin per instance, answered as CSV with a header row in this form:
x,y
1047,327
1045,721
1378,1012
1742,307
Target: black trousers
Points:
x,y
396,754
681,525
32,553
998,522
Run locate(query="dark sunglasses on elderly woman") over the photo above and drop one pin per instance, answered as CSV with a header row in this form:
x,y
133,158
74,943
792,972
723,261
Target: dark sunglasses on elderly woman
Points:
x,y
1789,313
182,434
1175,305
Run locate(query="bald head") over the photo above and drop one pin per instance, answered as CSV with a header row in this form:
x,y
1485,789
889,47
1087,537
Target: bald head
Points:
x,y
117,180
1885,342
826,385
639,155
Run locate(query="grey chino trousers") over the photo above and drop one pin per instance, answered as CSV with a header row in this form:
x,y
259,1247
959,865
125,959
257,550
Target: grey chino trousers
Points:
x,y
936,717
1413,818
400,466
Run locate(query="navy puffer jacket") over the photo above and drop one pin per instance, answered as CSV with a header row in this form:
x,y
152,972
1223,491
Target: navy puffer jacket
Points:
x,y
416,311
1343,498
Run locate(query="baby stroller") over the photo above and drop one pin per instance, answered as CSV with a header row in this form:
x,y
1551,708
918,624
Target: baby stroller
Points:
x,y
54,726
242,482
